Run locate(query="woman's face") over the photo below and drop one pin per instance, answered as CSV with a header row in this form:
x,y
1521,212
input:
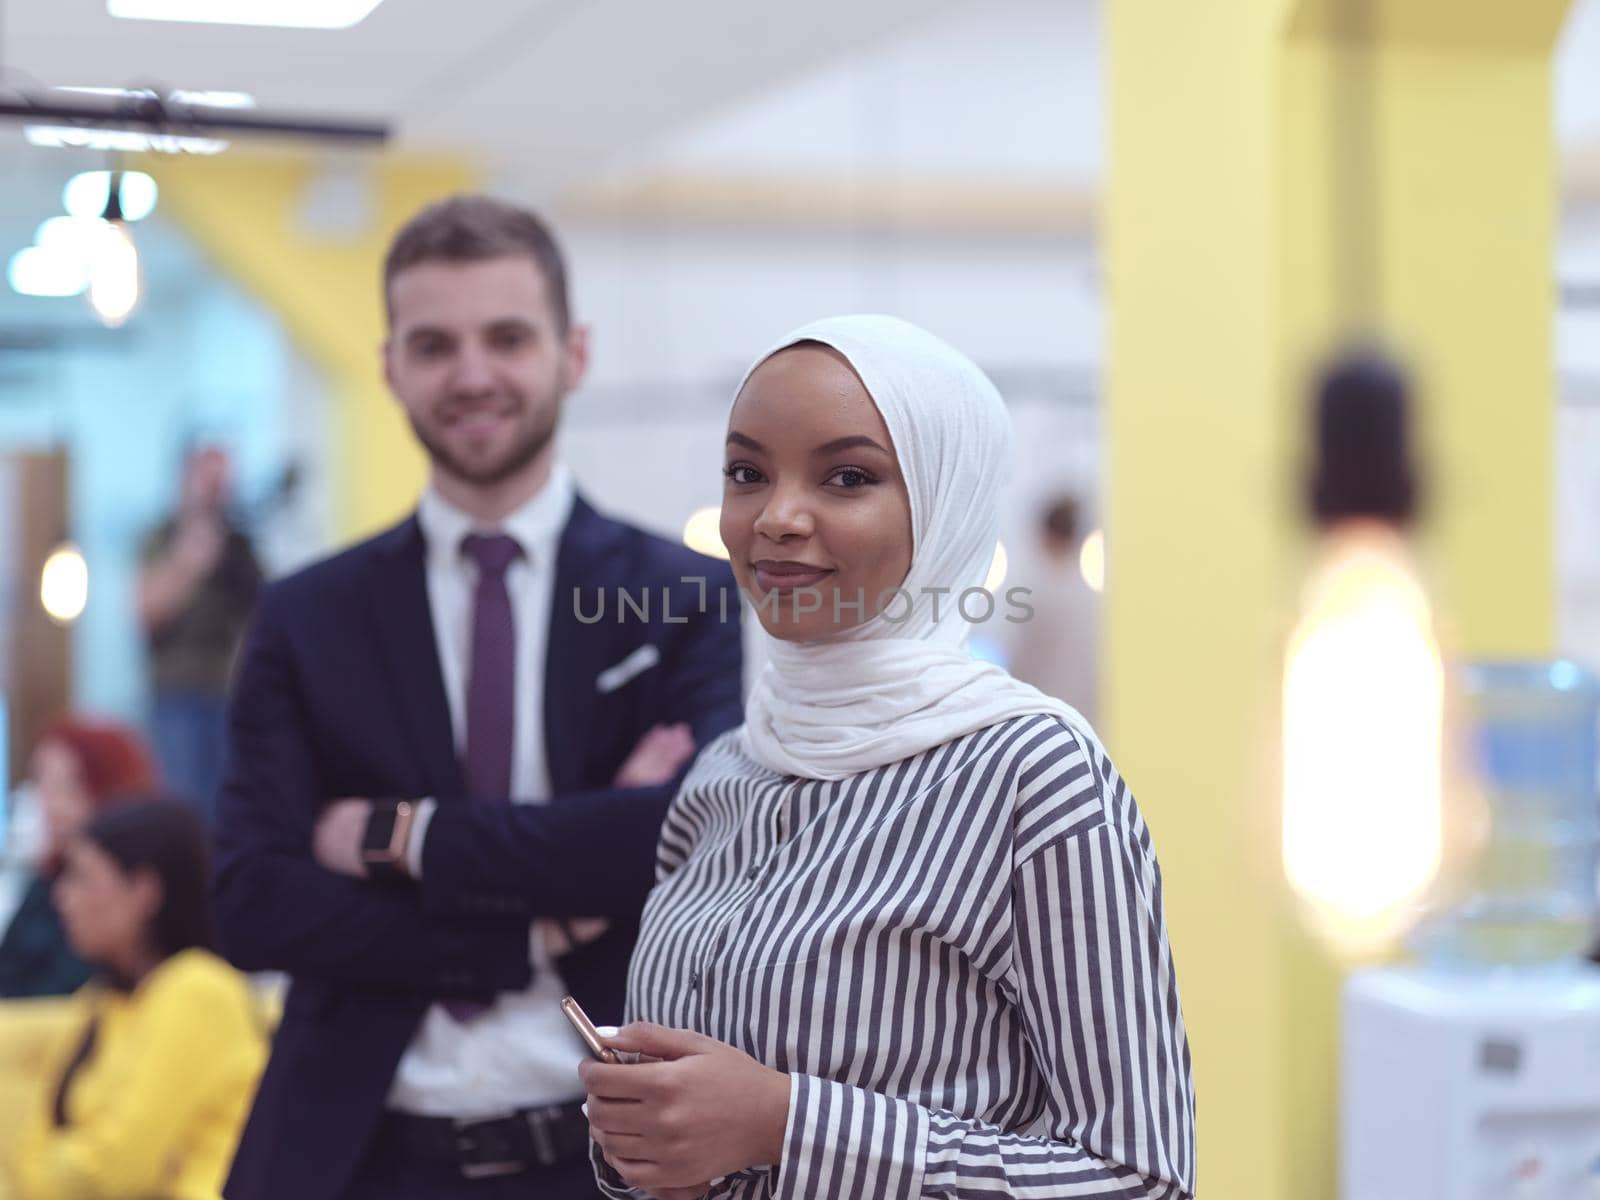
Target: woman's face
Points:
x,y
63,796
815,513
104,909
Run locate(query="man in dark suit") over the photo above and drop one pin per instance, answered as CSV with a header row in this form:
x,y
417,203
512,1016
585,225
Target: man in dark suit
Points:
x,y
447,777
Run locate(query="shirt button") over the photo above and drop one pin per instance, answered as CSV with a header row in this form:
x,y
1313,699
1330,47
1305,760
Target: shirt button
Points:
x,y
754,872
694,981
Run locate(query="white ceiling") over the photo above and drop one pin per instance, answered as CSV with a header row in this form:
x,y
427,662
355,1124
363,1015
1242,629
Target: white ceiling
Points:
x,y
559,92
550,89
1011,90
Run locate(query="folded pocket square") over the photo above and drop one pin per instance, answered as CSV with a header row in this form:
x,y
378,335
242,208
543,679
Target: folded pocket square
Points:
x,y
637,663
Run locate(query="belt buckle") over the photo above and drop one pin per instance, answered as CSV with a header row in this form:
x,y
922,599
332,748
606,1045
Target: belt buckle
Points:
x,y
544,1146
467,1144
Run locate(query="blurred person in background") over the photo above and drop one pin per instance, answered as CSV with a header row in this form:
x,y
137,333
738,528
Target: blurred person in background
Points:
x,y
447,778
78,769
198,584
1057,649
149,1087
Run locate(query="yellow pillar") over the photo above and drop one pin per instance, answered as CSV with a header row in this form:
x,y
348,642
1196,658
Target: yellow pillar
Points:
x,y
245,213
1230,248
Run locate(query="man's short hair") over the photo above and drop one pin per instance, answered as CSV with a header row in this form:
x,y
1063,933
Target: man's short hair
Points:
x,y
466,229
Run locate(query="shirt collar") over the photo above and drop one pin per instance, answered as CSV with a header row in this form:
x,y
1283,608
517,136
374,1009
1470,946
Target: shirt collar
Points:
x,y
536,525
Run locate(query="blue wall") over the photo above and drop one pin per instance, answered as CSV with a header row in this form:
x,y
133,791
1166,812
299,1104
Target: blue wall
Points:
x,y
199,360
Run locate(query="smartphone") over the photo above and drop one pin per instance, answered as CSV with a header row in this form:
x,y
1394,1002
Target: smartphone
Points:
x,y
585,1027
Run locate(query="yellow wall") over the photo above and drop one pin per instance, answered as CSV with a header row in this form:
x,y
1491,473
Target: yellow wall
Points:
x,y
1225,249
243,211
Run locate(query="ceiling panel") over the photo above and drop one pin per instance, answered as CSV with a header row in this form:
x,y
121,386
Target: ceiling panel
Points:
x,y
548,88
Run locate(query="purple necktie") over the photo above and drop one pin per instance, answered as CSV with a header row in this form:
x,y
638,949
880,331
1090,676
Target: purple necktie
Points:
x,y
491,691
492,672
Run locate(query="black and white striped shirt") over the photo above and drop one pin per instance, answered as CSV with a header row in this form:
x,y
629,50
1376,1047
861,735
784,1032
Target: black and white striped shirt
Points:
x,y
961,959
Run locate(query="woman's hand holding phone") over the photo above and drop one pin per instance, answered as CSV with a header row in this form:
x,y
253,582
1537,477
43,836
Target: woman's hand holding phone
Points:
x,y
704,1110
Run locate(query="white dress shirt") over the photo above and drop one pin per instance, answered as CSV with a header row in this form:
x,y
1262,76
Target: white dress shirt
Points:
x,y
521,1052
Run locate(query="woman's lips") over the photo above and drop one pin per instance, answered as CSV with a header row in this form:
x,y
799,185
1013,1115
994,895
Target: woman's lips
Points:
x,y
785,577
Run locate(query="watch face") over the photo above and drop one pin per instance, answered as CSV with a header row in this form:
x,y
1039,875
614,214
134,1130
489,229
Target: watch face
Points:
x,y
380,828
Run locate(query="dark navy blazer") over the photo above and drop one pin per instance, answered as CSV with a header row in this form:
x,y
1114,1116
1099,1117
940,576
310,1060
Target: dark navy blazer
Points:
x,y
339,693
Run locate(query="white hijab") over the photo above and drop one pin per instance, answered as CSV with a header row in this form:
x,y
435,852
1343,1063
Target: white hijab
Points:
x,y
886,690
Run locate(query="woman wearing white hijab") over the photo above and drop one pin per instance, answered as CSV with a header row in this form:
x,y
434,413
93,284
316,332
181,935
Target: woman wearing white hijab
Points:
x,y
907,938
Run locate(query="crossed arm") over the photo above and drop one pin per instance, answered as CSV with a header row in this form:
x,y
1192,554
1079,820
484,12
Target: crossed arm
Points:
x,y
488,870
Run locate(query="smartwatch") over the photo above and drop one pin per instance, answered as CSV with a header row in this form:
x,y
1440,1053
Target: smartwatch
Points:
x,y
383,844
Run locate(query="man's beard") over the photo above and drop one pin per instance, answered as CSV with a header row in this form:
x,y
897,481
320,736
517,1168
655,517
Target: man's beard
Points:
x,y
520,455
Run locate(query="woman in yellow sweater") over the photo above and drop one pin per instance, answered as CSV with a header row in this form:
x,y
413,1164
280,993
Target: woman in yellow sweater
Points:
x,y
148,1092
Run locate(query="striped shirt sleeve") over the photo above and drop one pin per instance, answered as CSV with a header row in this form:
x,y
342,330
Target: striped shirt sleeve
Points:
x,y
608,1181
1094,981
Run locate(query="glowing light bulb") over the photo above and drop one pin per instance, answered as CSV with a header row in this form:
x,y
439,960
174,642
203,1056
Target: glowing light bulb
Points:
x,y
1092,560
114,284
64,584
1363,702
702,532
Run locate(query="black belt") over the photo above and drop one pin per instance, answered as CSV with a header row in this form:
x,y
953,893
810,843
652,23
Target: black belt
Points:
x,y
483,1147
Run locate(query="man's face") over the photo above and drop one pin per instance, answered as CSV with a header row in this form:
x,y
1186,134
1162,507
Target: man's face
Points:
x,y
480,364
207,478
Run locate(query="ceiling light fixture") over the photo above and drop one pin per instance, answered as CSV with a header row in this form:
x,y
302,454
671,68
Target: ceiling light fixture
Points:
x,y
69,237
88,192
133,121
115,282
179,96
128,141
297,14
39,271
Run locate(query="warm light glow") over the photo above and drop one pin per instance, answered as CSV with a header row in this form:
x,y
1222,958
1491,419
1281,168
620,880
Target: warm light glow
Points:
x,y
1092,560
1363,697
114,284
131,141
703,534
86,194
997,569
300,14
37,271
64,584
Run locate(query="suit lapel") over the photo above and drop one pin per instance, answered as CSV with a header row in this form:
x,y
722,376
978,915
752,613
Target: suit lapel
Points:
x,y
399,595
576,652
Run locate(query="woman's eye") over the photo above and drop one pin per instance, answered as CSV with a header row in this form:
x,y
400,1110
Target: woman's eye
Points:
x,y
742,474
851,477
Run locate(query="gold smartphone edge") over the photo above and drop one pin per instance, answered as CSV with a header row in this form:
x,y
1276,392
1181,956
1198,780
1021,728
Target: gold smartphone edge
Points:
x,y
586,1030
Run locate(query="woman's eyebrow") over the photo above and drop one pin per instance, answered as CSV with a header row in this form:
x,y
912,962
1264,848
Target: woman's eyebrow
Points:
x,y
853,442
848,443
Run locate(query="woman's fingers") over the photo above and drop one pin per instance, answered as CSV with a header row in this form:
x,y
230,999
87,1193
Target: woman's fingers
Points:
x,y
625,1081
660,1042
618,1116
